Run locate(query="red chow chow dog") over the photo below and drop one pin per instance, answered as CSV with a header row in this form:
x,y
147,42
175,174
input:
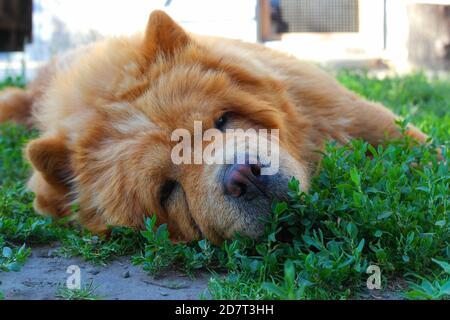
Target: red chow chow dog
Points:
x,y
106,114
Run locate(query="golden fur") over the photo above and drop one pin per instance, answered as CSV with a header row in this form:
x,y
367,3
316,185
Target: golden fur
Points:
x,y
106,112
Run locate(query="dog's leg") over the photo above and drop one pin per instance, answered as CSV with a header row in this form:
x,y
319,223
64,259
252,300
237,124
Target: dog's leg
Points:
x,y
15,106
341,114
355,117
376,123
18,105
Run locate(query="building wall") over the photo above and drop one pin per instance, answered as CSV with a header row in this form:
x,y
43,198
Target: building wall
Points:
x,y
62,24
59,25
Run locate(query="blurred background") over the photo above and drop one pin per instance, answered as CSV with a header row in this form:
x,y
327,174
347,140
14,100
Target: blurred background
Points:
x,y
396,36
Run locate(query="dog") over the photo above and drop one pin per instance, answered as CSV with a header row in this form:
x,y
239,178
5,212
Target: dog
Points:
x,y
106,114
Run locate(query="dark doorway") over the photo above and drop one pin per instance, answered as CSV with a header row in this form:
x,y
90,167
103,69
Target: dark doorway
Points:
x,y
15,24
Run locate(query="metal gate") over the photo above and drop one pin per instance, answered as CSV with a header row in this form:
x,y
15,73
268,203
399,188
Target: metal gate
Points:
x,y
320,15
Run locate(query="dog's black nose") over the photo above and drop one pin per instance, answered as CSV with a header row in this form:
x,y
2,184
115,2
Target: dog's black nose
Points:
x,y
244,179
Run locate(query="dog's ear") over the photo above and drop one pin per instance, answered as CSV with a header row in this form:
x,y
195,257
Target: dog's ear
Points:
x,y
51,158
163,36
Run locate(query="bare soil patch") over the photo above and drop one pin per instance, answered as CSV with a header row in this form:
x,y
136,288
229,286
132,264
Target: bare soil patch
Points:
x,y
44,271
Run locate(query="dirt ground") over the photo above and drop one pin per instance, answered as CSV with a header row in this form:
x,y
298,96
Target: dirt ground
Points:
x,y
44,271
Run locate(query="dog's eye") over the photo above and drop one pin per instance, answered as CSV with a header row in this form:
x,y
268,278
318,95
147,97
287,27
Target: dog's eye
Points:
x,y
222,121
166,191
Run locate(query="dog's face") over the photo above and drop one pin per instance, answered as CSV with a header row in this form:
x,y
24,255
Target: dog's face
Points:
x,y
212,200
126,165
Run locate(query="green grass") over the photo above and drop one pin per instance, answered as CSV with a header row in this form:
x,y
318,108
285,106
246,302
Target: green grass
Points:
x,y
13,259
368,206
437,289
99,250
16,81
86,292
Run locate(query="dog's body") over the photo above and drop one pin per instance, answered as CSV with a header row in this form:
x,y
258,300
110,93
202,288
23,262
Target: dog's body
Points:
x,y
106,114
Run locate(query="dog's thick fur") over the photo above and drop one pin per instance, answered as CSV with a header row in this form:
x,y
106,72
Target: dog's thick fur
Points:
x,y
106,113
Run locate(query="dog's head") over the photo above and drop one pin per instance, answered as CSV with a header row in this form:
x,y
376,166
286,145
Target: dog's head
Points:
x,y
138,121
